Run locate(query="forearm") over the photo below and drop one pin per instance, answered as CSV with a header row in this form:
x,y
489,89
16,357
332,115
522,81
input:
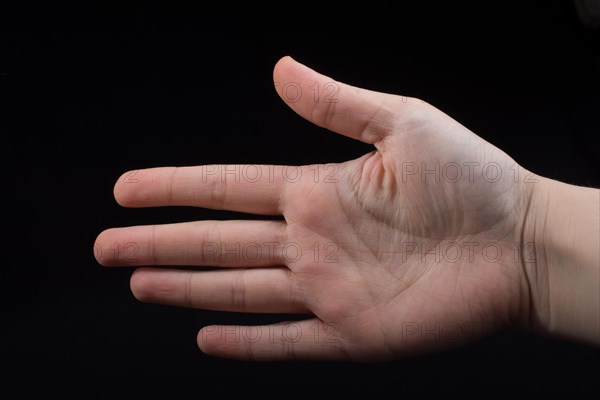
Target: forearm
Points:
x,y
565,277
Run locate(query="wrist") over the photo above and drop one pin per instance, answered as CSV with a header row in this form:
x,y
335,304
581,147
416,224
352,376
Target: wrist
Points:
x,y
561,260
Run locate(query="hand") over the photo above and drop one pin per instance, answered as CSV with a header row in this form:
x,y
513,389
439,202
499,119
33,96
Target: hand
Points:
x,y
419,245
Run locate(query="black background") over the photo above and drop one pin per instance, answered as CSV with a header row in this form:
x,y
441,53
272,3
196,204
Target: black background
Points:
x,y
90,93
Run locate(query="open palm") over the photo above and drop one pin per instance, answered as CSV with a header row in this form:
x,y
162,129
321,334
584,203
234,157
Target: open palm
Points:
x,y
413,247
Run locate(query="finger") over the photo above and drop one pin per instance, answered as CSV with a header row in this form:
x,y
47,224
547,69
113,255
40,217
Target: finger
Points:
x,y
358,113
301,340
201,243
247,188
241,290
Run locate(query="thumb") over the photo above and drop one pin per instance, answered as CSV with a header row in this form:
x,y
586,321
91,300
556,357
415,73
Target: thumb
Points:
x,y
358,113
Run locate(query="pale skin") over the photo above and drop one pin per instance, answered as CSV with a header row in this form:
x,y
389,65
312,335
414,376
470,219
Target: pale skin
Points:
x,y
388,257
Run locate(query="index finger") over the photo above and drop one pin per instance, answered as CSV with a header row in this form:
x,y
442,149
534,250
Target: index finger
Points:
x,y
247,188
